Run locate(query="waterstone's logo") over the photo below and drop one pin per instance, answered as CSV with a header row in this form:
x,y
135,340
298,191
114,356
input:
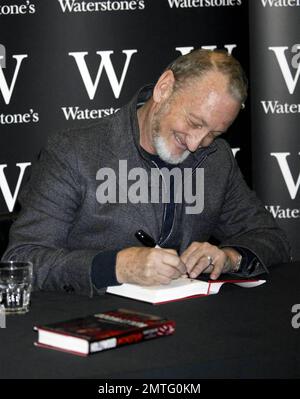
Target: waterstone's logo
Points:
x,y
17,9
107,65
203,3
292,186
280,3
159,186
91,86
289,67
7,89
101,6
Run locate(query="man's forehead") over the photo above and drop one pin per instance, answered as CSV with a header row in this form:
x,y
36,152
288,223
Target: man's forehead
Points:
x,y
210,87
214,79
208,100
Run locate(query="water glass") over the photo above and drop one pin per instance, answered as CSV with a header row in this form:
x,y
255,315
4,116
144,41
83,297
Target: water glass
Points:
x,y
15,286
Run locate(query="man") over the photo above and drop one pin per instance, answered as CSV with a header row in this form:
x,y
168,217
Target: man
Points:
x,y
78,242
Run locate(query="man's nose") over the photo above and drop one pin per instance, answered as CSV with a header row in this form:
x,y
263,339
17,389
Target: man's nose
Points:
x,y
193,141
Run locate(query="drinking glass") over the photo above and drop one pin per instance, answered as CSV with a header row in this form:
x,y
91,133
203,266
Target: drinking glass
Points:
x,y
15,286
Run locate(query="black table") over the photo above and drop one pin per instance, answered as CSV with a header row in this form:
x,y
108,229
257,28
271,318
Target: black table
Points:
x,y
239,333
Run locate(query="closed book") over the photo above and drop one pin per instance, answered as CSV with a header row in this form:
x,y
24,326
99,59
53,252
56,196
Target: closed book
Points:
x,y
102,331
180,288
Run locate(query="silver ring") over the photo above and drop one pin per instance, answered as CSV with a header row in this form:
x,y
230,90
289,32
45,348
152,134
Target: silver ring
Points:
x,y
210,260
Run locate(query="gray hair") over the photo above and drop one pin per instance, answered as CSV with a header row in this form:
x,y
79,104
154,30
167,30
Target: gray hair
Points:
x,y
200,61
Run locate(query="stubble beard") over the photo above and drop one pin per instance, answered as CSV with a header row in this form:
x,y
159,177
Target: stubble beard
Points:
x,y
161,145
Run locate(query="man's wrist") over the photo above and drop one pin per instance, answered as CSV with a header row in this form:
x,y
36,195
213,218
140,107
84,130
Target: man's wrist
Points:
x,y
233,261
125,268
119,267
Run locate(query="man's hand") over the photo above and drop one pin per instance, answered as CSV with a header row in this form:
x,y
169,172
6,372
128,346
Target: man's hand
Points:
x,y
148,266
202,257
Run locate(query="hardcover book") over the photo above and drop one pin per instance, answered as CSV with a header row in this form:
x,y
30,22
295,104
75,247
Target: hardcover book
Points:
x,y
180,288
102,331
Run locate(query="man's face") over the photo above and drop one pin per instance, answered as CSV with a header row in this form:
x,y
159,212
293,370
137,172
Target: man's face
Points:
x,y
192,117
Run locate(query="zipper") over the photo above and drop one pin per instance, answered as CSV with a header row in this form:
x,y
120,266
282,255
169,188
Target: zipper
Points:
x,y
160,242
165,205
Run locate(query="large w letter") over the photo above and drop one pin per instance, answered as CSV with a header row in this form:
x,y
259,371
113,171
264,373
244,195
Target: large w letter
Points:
x,y
285,69
5,90
9,198
286,172
105,63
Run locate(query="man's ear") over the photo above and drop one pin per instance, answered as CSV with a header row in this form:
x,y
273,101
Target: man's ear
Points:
x,y
164,86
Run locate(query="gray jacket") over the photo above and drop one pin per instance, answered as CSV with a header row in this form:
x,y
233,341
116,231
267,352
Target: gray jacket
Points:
x,y
62,226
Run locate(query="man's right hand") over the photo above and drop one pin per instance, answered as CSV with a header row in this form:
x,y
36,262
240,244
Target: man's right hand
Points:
x,y
148,266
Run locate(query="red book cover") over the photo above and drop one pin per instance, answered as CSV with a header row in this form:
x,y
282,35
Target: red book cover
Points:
x,y
101,331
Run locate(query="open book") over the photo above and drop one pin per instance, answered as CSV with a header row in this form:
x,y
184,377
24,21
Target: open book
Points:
x,y
178,289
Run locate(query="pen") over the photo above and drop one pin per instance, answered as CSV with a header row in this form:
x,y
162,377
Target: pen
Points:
x,y
148,241
145,239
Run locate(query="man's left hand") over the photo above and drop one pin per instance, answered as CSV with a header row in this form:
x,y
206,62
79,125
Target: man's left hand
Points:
x,y
202,257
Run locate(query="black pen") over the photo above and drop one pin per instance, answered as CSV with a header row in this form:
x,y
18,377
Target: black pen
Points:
x,y
145,239
148,241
